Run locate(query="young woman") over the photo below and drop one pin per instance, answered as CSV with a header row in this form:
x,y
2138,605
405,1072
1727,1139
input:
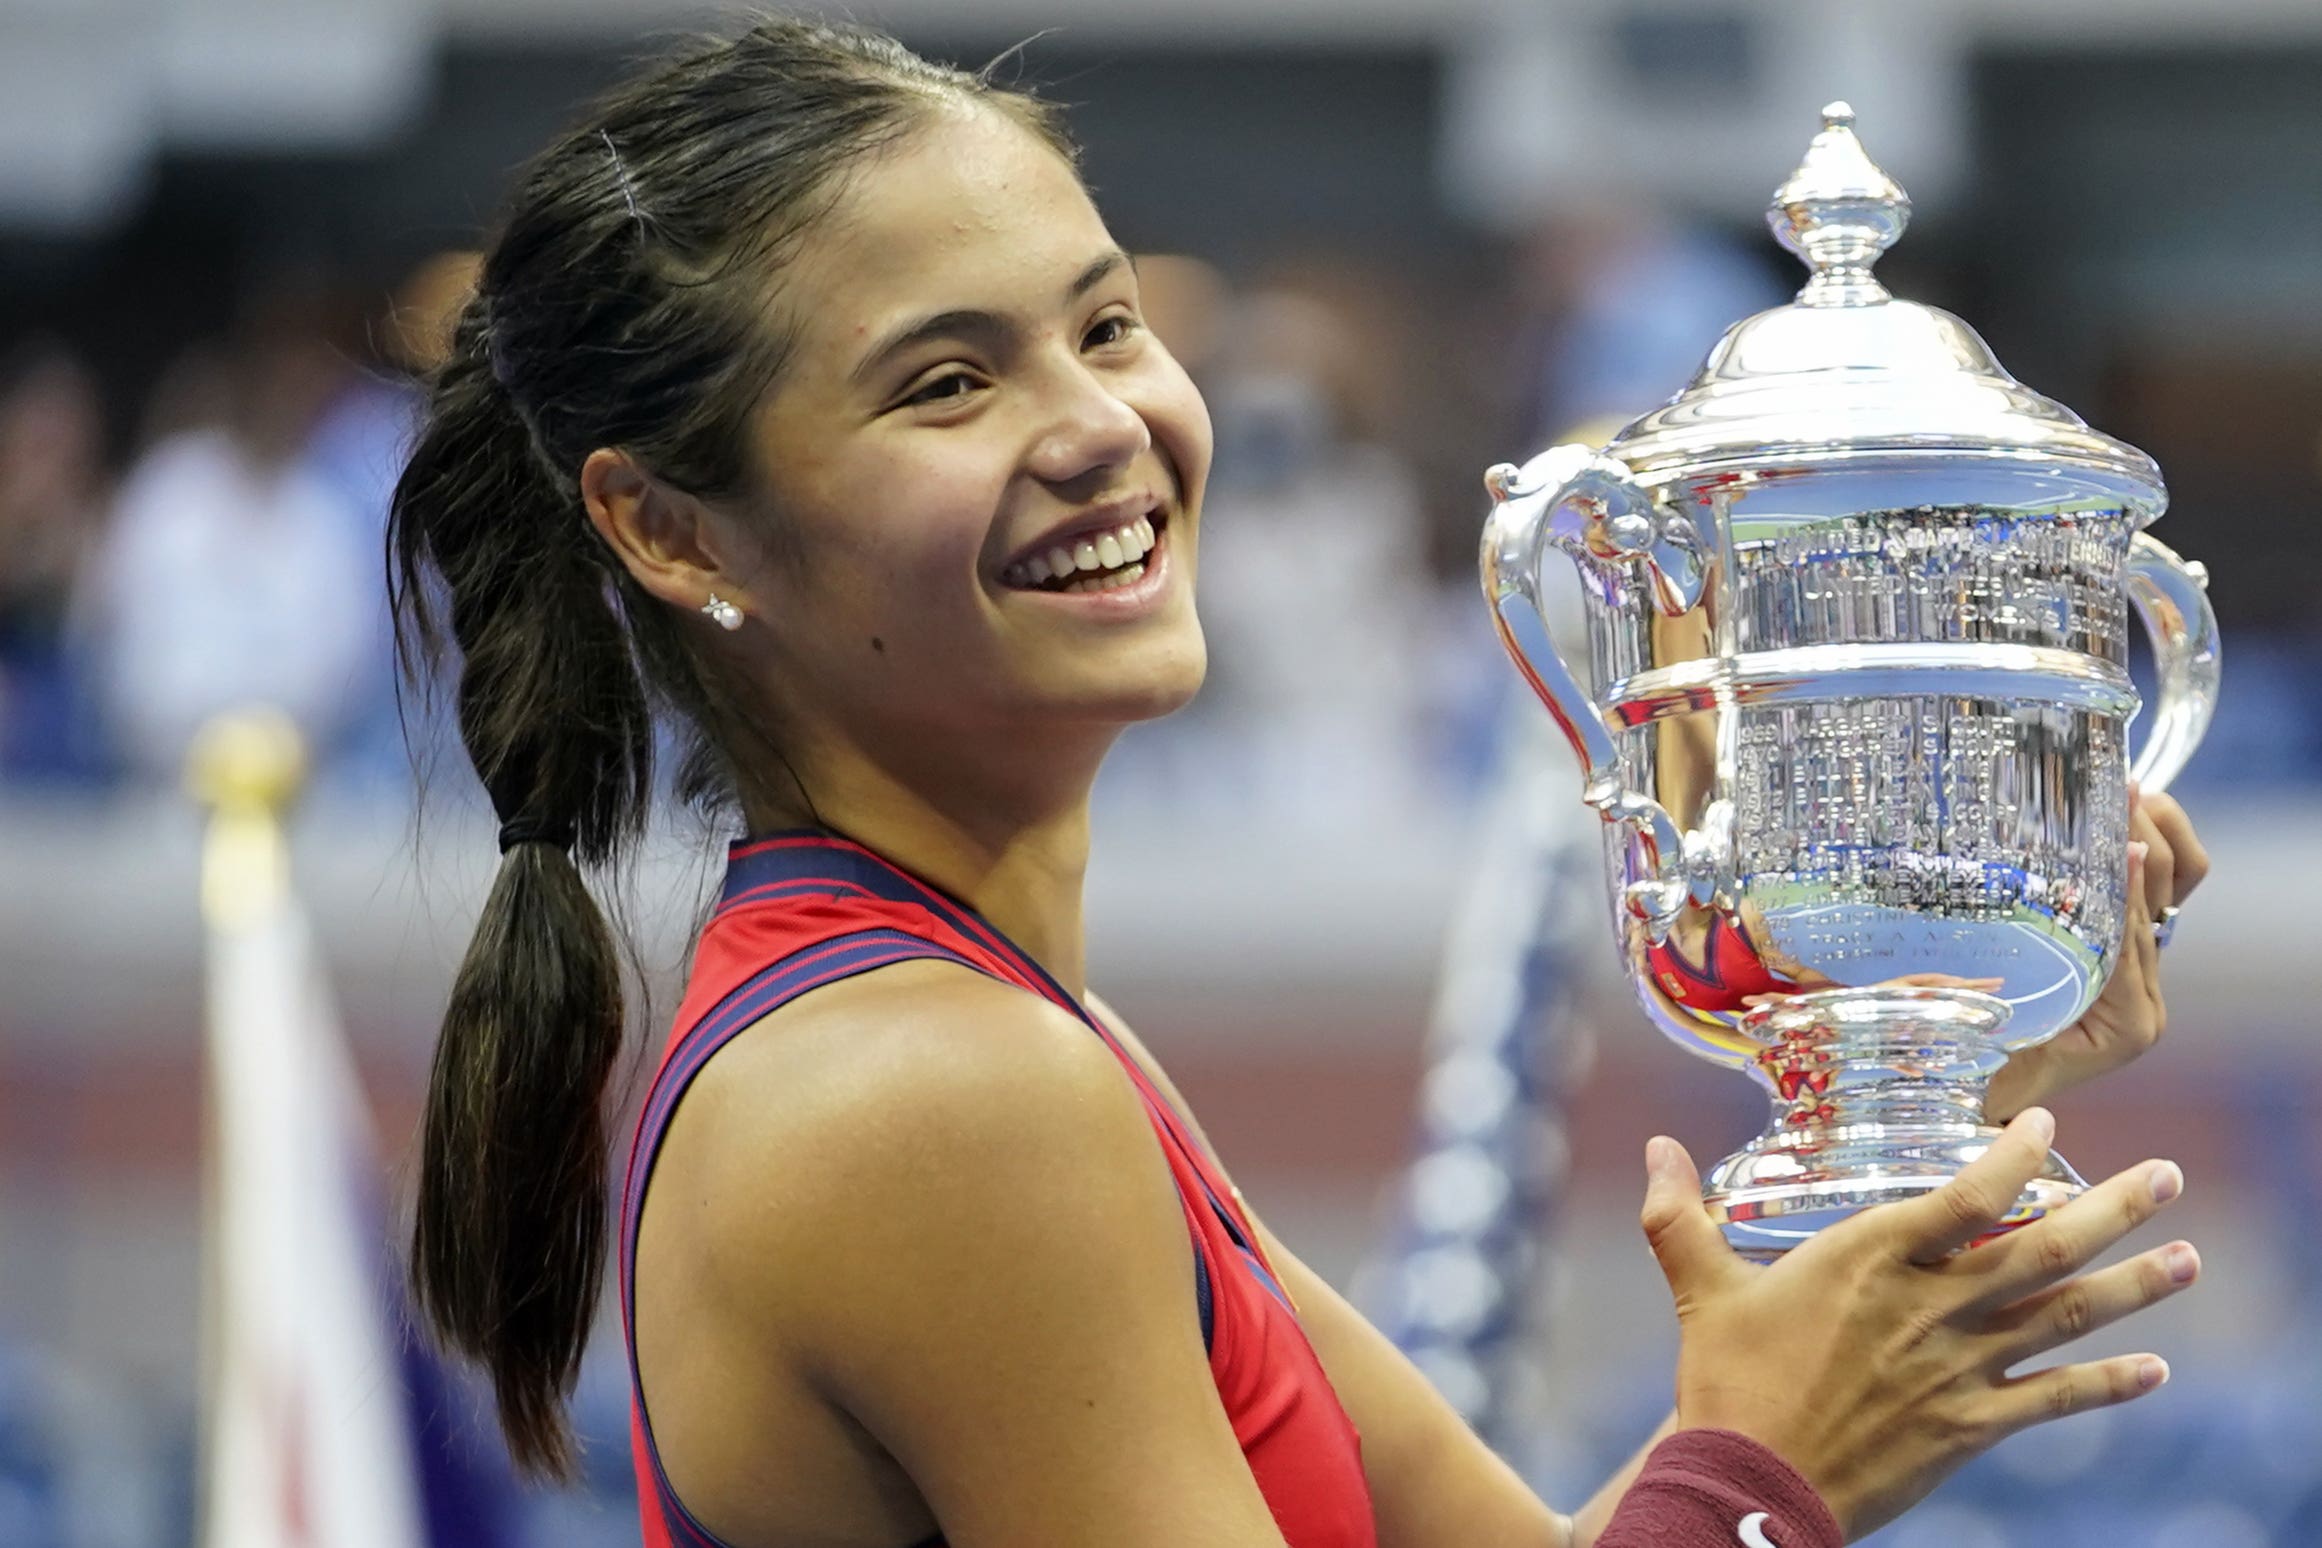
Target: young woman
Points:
x,y
805,398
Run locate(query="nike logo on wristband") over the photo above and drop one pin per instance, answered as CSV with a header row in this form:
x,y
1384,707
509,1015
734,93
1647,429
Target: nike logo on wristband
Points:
x,y
1752,1531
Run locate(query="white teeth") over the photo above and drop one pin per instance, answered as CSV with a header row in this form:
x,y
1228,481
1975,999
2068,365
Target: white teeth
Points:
x,y
1110,559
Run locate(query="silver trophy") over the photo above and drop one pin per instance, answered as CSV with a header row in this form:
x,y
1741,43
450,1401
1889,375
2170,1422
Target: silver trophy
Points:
x,y
1858,708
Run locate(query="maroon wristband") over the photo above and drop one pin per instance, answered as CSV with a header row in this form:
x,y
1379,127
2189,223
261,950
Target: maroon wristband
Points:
x,y
1719,1489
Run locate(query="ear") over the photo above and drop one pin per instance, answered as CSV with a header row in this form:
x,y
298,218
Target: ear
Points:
x,y
671,542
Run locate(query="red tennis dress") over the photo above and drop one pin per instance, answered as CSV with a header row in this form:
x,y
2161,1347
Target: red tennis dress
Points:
x,y
800,910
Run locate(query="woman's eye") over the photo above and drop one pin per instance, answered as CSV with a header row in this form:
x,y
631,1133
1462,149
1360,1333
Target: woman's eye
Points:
x,y
953,384
1110,330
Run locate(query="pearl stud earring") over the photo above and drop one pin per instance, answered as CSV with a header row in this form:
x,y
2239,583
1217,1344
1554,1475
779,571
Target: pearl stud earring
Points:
x,y
726,615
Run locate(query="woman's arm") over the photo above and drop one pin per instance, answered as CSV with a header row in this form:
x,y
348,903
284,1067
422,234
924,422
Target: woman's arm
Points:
x,y
1434,1483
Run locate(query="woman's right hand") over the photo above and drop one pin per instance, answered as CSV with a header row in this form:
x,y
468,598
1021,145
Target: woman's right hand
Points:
x,y
1875,1357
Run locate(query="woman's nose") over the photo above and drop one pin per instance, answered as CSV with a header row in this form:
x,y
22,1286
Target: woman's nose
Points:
x,y
1094,430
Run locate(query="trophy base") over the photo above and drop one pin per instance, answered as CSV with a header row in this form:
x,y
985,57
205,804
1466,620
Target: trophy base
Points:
x,y
1878,1098
1780,1190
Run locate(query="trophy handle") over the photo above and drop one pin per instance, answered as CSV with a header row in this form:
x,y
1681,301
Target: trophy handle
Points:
x,y
2171,595
1577,500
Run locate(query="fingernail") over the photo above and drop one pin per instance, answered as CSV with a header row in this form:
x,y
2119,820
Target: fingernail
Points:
x,y
2151,1372
1656,1156
2138,849
2039,1125
2168,1181
2183,1263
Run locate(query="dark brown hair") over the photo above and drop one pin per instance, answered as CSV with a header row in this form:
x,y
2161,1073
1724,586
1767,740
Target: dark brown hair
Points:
x,y
629,300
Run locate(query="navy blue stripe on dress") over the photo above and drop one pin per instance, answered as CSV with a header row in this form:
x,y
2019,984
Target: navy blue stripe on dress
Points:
x,y
803,887
1266,1277
683,1529
806,854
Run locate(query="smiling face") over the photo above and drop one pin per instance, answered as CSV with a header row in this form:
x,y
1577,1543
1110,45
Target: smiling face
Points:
x,y
971,399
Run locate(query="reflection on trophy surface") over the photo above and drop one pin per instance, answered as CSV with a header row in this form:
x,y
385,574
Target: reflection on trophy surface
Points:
x,y
1857,709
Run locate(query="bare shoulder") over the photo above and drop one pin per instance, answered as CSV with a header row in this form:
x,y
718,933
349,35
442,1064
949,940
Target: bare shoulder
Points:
x,y
943,1204
880,1102
1135,1047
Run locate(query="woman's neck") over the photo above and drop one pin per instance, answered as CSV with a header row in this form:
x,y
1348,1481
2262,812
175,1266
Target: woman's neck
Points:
x,y
1013,847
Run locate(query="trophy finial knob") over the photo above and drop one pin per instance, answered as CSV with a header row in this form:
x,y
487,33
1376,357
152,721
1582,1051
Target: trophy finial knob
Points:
x,y
1839,212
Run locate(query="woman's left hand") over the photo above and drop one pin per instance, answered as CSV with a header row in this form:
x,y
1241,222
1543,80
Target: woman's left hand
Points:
x,y
2166,862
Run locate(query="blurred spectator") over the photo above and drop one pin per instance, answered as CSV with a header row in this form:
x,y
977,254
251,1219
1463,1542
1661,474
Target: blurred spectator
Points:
x,y
189,393
233,571
1625,303
52,501
1313,574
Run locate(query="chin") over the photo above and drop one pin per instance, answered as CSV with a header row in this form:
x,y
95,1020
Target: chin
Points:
x,y
1161,681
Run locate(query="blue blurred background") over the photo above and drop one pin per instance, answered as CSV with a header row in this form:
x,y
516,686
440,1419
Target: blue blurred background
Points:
x,y
1396,241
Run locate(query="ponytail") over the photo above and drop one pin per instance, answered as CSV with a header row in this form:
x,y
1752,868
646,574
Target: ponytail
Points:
x,y
509,1237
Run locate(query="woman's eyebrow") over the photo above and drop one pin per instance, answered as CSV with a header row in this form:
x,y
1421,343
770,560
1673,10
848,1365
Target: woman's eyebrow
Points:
x,y
982,327
985,328
1094,274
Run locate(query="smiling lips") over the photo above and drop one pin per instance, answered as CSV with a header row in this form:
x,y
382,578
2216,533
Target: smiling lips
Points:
x,y
1100,563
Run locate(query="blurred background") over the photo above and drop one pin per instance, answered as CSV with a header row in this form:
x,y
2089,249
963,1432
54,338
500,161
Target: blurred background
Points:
x,y
1395,241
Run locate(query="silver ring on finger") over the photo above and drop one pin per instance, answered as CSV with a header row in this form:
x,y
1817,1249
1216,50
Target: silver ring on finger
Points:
x,y
2166,925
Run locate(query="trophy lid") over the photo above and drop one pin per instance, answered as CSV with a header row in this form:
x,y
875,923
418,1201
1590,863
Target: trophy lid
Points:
x,y
1846,369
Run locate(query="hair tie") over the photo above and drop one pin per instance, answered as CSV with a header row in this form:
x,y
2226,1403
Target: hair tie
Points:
x,y
536,830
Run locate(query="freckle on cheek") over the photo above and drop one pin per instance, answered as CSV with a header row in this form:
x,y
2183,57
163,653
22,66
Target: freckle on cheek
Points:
x,y
878,645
